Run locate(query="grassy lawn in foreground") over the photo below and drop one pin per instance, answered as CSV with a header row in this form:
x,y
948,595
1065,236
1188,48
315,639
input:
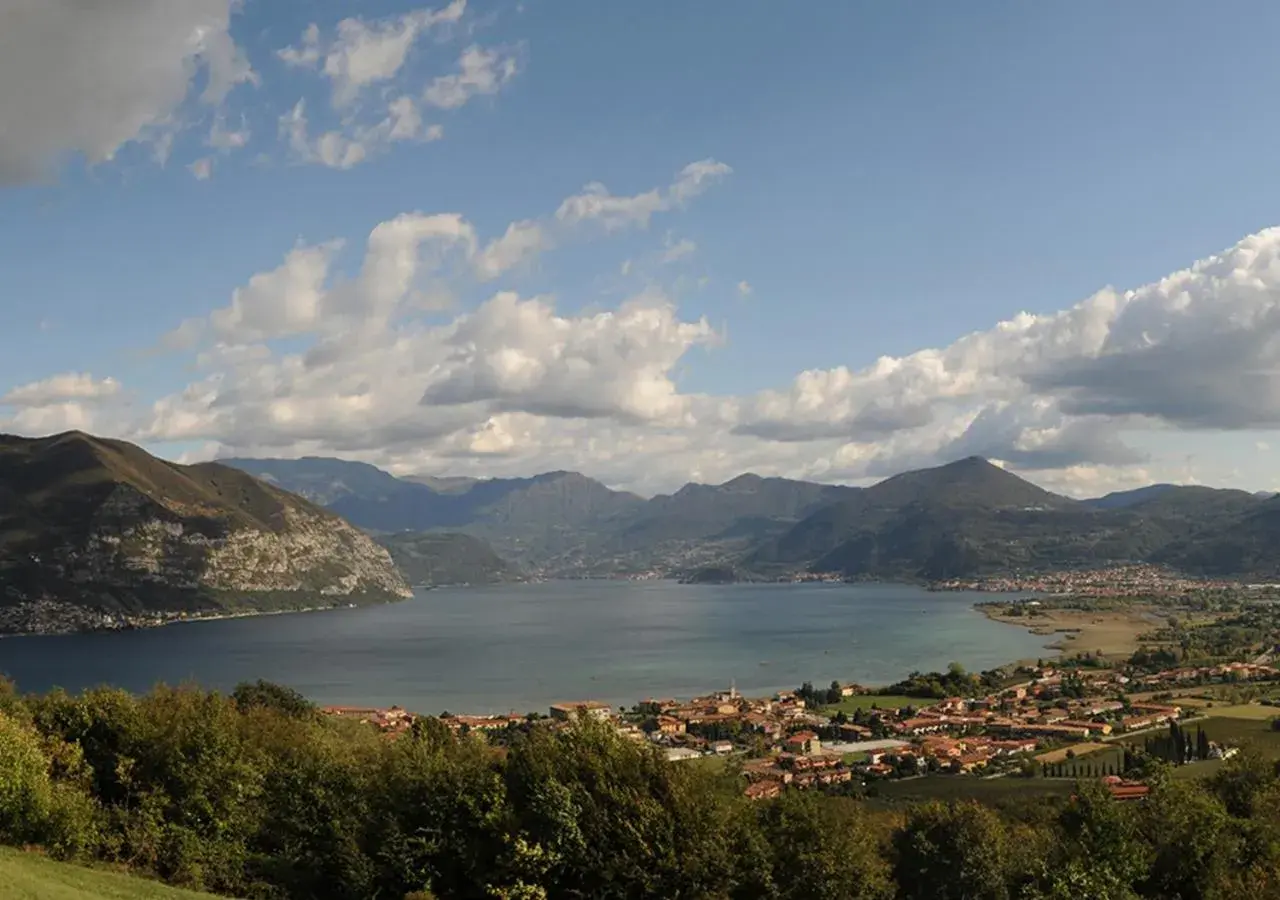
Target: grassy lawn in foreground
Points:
x,y
850,705
28,876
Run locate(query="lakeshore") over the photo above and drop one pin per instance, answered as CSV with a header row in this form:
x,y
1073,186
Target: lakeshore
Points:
x,y
1109,633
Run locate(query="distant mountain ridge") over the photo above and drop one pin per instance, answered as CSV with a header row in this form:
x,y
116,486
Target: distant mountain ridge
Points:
x,y
435,559
965,518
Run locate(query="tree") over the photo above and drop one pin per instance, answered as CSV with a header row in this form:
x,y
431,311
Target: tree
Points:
x,y
25,790
267,695
1100,836
833,693
1242,780
1193,842
956,851
822,849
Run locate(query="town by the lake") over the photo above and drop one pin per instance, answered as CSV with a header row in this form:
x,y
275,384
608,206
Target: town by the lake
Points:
x,y
1194,682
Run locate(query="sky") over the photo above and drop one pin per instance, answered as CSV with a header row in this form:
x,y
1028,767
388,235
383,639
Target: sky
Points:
x,y
652,243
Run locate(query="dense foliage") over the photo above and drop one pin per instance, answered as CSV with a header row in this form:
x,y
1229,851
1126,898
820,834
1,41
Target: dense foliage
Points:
x,y
257,795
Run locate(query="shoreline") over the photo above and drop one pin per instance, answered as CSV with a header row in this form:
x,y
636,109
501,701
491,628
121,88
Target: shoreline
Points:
x,y
171,619
1109,633
75,612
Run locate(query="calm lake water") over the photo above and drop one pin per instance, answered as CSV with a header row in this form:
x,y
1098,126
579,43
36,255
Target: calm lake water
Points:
x,y
523,647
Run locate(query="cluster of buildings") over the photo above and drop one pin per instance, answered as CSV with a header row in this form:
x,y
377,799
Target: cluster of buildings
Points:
x,y
1115,581
392,720
788,744
1184,676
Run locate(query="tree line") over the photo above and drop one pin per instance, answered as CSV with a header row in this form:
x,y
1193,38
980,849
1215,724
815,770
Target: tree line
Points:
x,y
256,795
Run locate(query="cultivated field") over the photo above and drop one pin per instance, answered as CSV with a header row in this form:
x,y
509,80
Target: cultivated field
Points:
x,y
1243,711
850,705
1077,750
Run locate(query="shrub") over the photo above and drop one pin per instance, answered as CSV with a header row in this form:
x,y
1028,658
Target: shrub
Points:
x,y
26,794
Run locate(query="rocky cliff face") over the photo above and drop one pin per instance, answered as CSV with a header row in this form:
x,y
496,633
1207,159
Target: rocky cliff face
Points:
x,y
105,527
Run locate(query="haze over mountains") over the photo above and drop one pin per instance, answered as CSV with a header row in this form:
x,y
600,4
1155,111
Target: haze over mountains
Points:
x,y
966,518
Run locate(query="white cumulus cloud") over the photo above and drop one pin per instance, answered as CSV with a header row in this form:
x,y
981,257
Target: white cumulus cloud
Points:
x,y
70,386
88,78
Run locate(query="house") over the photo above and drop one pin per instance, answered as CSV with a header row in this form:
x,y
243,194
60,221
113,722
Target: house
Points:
x,y
482,723
941,747
803,742
1093,727
669,725
679,754
762,723
920,725
720,748
569,712
1016,746
1133,723
763,790
1128,790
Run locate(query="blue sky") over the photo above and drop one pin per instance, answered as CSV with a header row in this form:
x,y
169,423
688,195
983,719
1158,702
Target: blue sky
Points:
x,y
902,175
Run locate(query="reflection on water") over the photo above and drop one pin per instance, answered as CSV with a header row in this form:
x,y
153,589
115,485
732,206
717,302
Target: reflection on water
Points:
x,y
525,646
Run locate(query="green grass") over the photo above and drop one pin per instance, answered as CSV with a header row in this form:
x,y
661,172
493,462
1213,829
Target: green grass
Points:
x,y
1200,769
1255,733
27,876
1243,711
966,787
1229,730
850,705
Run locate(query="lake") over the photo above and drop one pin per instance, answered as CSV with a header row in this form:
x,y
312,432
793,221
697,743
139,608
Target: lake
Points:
x,y
522,647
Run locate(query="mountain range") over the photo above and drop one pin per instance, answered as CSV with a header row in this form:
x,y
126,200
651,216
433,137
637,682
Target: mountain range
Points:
x,y
966,518
101,528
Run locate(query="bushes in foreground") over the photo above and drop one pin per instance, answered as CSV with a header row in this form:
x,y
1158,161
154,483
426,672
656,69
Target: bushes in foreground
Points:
x,y
256,795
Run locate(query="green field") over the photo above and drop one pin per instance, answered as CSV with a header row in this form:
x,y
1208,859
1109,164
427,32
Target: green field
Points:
x,y
26,876
1199,769
964,787
1232,730
1256,733
850,705
1243,711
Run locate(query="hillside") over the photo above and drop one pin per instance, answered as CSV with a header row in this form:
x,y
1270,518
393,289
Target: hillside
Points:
x,y
444,558
1246,545
907,521
92,528
320,479
746,505
971,517
29,876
